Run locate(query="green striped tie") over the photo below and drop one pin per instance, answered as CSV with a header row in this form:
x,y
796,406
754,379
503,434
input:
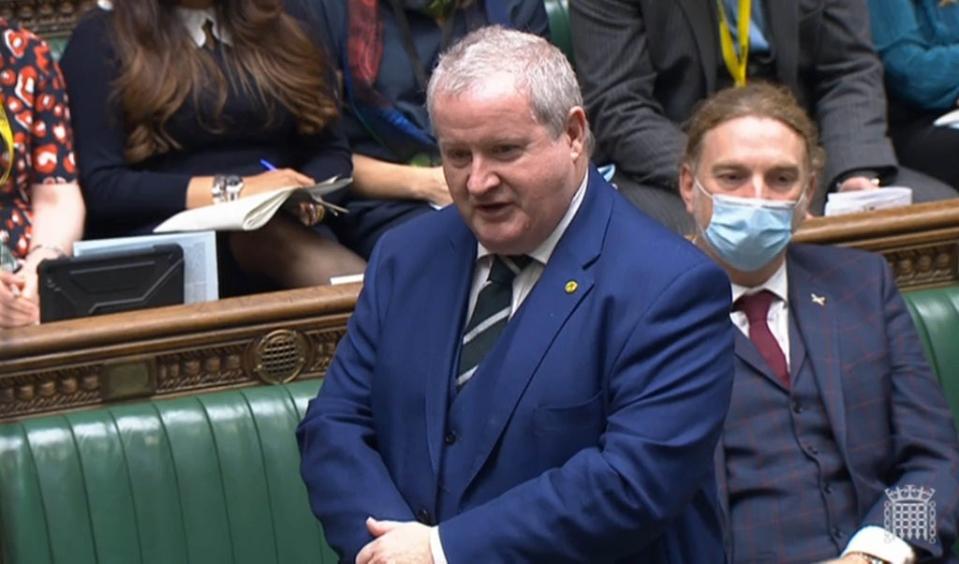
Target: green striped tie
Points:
x,y
490,314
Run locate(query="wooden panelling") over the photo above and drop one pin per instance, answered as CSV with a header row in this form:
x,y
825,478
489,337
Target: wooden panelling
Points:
x,y
277,337
921,242
267,338
51,19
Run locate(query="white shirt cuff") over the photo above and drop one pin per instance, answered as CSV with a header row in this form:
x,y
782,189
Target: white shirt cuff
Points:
x,y
436,546
880,543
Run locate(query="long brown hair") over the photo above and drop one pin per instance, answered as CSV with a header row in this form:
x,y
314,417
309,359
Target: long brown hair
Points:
x,y
270,58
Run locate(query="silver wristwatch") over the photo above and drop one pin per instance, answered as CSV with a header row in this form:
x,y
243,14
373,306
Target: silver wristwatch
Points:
x,y
226,188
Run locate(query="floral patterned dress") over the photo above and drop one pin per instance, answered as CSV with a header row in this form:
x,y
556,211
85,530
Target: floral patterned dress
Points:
x,y
35,101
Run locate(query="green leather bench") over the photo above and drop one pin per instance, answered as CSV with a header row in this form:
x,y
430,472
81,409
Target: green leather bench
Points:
x,y
557,11
213,478
936,314
207,479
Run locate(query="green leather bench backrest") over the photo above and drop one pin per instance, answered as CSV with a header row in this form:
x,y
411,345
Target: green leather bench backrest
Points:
x,y
558,13
206,479
936,314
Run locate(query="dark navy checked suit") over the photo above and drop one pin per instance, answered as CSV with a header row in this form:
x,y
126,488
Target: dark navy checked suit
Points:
x,y
858,369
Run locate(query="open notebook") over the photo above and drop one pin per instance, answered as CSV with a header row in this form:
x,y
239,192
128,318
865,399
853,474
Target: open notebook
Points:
x,y
251,212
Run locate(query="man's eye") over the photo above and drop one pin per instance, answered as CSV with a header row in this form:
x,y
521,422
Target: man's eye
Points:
x,y
457,156
786,180
505,150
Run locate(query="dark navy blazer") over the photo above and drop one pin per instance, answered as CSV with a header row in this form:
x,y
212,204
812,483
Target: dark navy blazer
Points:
x,y
597,413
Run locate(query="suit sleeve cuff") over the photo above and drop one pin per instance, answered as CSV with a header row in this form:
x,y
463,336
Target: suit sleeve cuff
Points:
x,y
880,543
436,546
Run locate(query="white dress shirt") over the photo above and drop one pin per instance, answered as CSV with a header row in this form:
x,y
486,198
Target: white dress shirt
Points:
x,y
525,280
194,20
778,316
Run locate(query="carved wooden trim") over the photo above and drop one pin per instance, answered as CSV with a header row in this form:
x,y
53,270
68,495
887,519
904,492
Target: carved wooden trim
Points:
x,y
231,343
921,242
924,266
166,351
50,19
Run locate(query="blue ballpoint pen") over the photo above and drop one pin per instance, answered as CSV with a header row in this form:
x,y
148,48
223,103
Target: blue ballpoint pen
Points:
x,y
267,164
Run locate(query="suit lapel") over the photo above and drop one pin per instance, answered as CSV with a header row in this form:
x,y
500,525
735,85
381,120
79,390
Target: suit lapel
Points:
x,y
748,353
797,350
705,26
506,372
814,311
453,275
782,21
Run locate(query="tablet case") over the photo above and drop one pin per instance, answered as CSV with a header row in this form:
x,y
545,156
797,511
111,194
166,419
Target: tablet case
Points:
x,y
111,282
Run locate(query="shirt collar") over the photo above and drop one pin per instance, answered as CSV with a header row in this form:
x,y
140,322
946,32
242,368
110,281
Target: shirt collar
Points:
x,y
775,284
193,19
545,249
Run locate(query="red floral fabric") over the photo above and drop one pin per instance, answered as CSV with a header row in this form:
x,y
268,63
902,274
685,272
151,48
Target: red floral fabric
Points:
x,y
35,101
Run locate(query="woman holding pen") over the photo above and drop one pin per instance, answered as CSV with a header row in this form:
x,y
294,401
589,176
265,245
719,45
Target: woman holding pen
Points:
x,y
41,210
178,103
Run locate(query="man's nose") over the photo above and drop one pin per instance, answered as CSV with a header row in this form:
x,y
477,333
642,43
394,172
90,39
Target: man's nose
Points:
x,y
758,185
481,178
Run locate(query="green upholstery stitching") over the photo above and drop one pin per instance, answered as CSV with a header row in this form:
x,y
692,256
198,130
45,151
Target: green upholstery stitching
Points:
x,y
207,478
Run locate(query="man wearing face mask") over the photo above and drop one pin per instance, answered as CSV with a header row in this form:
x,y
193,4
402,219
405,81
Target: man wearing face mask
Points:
x,y
834,406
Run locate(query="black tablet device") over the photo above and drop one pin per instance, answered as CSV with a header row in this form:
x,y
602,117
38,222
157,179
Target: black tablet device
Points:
x,y
110,282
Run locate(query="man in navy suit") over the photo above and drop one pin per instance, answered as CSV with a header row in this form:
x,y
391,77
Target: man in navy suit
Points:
x,y
538,374
837,427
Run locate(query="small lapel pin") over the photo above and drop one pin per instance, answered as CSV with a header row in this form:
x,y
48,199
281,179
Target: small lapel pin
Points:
x,y
818,300
571,286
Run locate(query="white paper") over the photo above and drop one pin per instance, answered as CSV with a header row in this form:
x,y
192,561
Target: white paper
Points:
x,y
950,119
200,279
346,279
839,203
249,212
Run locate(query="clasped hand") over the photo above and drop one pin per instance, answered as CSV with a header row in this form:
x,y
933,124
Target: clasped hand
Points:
x,y
396,542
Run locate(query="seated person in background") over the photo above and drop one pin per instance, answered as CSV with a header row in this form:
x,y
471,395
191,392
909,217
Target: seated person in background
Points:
x,y
173,100
645,64
41,210
834,404
573,418
918,42
386,50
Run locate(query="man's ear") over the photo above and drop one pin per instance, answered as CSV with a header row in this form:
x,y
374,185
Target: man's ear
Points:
x,y
577,128
687,186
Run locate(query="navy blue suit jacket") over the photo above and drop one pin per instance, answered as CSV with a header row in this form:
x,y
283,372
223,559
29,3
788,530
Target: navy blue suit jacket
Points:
x,y
596,414
886,410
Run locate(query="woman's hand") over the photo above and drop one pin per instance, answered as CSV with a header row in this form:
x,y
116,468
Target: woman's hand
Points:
x,y
431,185
309,213
273,180
16,307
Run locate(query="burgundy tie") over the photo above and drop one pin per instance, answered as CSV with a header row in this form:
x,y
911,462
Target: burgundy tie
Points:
x,y
756,308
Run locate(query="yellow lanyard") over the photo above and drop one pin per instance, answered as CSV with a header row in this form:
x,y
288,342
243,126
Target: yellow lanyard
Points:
x,y
7,134
735,63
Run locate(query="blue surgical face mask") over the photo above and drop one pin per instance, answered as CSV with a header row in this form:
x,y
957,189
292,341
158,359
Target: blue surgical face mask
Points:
x,y
748,233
